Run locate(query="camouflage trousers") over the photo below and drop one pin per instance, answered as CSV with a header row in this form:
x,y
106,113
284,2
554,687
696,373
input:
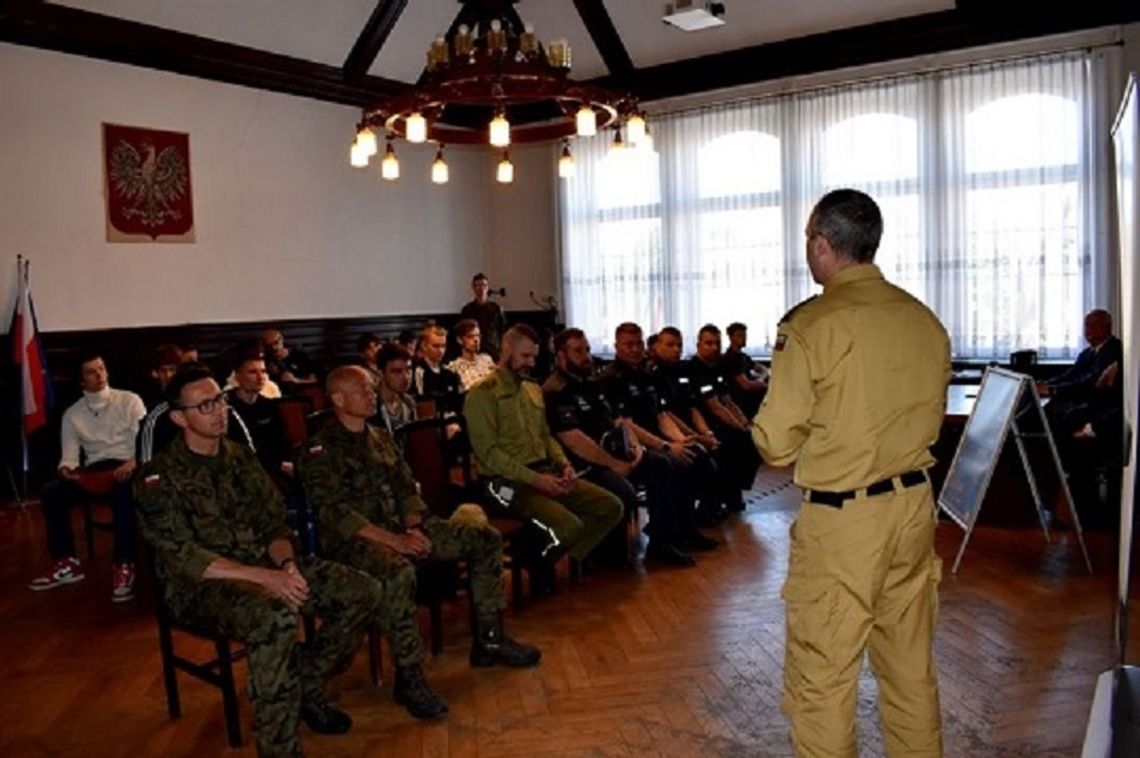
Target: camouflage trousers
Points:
x,y
283,673
480,546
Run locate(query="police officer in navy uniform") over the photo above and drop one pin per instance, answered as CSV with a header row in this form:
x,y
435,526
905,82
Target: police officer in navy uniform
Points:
x,y
582,419
710,386
747,379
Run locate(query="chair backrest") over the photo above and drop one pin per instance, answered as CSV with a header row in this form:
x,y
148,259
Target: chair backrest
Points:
x,y
423,443
425,407
314,395
294,414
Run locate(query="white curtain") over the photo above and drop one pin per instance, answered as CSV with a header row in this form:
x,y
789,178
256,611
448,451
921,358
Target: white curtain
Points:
x,y
991,179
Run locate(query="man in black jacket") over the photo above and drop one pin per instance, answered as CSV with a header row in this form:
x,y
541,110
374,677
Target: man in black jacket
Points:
x,y
1088,398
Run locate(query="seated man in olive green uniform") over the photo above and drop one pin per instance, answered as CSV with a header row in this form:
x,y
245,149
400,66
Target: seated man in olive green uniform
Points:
x,y
506,420
225,558
371,517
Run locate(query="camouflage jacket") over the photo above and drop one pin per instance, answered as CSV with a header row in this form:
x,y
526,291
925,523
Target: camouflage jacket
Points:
x,y
356,478
194,509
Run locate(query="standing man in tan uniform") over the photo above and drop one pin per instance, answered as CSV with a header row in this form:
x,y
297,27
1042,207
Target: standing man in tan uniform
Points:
x,y
857,396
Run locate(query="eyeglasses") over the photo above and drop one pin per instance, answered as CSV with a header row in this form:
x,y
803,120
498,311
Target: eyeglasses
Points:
x,y
207,406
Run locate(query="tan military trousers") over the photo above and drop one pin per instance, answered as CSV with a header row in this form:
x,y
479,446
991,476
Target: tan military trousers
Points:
x,y
863,577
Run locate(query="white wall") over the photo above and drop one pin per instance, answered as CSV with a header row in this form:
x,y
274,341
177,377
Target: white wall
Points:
x,y
285,228
521,254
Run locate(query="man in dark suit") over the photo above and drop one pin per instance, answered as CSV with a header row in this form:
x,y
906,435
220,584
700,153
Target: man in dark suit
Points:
x,y
1087,399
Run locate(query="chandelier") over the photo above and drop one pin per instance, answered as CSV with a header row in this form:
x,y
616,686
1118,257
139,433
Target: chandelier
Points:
x,y
489,80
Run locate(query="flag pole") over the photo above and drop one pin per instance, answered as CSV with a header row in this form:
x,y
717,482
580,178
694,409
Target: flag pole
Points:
x,y
20,495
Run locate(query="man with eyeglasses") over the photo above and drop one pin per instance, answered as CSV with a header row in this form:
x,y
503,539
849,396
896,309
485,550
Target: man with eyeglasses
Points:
x,y
225,560
372,517
97,441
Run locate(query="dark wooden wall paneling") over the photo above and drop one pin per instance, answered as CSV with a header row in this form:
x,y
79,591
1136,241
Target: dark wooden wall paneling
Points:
x,y
127,351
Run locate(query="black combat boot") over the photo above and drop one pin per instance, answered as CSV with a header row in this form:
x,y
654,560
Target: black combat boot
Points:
x,y
490,646
414,693
324,718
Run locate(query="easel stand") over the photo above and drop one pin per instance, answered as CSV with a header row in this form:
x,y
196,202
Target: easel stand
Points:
x,y
1006,402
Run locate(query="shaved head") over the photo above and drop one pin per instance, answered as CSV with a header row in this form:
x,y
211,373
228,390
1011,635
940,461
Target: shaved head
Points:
x,y
344,378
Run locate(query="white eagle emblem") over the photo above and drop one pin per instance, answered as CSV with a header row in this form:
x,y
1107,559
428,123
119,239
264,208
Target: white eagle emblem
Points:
x,y
148,185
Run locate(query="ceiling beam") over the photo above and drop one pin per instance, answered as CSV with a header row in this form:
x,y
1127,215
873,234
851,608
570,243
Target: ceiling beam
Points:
x,y
606,38
67,30
372,38
875,43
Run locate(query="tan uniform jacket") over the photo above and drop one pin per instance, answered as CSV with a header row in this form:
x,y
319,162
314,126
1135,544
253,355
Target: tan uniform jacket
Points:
x,y
858,387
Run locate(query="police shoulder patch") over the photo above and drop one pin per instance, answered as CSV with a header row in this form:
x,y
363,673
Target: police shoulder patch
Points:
x,y
781,340
795,308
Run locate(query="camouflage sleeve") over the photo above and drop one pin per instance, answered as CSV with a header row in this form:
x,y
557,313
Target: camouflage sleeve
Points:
x,y
483,429
324,488
271,516
404,484
160,509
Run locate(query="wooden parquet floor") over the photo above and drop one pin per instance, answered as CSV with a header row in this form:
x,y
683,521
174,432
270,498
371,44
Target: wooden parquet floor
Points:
x,y
660,661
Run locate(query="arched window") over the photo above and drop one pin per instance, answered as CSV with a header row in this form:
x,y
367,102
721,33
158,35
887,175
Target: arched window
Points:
x,y
1021,257
878,153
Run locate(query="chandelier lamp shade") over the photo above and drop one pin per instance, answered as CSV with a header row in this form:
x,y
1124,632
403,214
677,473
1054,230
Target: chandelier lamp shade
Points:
x,y
489,81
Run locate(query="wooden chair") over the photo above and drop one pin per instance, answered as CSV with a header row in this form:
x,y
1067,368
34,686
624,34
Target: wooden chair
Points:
x,y
294,414
444,485
217,671
98,484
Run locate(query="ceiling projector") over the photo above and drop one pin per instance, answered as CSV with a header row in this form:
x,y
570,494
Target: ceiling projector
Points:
x,y
692,15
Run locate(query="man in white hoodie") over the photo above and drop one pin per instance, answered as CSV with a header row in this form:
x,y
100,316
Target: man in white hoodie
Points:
x,y
97,442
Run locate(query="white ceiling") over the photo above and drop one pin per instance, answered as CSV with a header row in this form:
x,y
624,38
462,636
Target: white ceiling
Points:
x,y
325,30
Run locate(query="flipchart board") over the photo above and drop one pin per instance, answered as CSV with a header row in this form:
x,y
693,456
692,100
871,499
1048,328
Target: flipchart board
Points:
x,y
981,444
1006,402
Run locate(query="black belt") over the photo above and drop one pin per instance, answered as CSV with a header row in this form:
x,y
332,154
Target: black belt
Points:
x,y
835,499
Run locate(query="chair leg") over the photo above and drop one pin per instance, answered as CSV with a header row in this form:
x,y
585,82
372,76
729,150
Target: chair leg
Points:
x,y
435,611
516,584
89,530
375,655
229,692
169,675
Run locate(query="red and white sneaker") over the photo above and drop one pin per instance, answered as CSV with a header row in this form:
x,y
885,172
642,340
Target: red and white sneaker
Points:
x,y
123,583
64,571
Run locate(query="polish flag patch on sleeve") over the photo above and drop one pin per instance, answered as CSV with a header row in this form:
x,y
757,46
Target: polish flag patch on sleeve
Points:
x,y
316,450
152,481
781,340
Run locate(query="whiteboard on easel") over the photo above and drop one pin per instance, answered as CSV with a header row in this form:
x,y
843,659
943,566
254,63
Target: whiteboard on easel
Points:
x,y
981,445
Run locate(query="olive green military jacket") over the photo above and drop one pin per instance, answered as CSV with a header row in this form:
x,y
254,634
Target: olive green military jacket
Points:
x,y
506,420
357,478
194,509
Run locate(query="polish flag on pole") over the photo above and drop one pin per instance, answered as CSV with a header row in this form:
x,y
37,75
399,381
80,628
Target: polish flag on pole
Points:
x,y
28,355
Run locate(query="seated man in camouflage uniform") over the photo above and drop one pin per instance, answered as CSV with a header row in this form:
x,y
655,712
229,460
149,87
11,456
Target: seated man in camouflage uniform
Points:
x,y
371,517
225,558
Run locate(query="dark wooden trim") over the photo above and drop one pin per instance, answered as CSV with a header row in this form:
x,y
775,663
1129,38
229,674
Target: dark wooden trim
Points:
x,y
605,35
372,38
875,43
127,350
67,30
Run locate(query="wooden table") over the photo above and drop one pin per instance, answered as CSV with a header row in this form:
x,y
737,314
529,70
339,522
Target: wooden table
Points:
x,y
960,399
